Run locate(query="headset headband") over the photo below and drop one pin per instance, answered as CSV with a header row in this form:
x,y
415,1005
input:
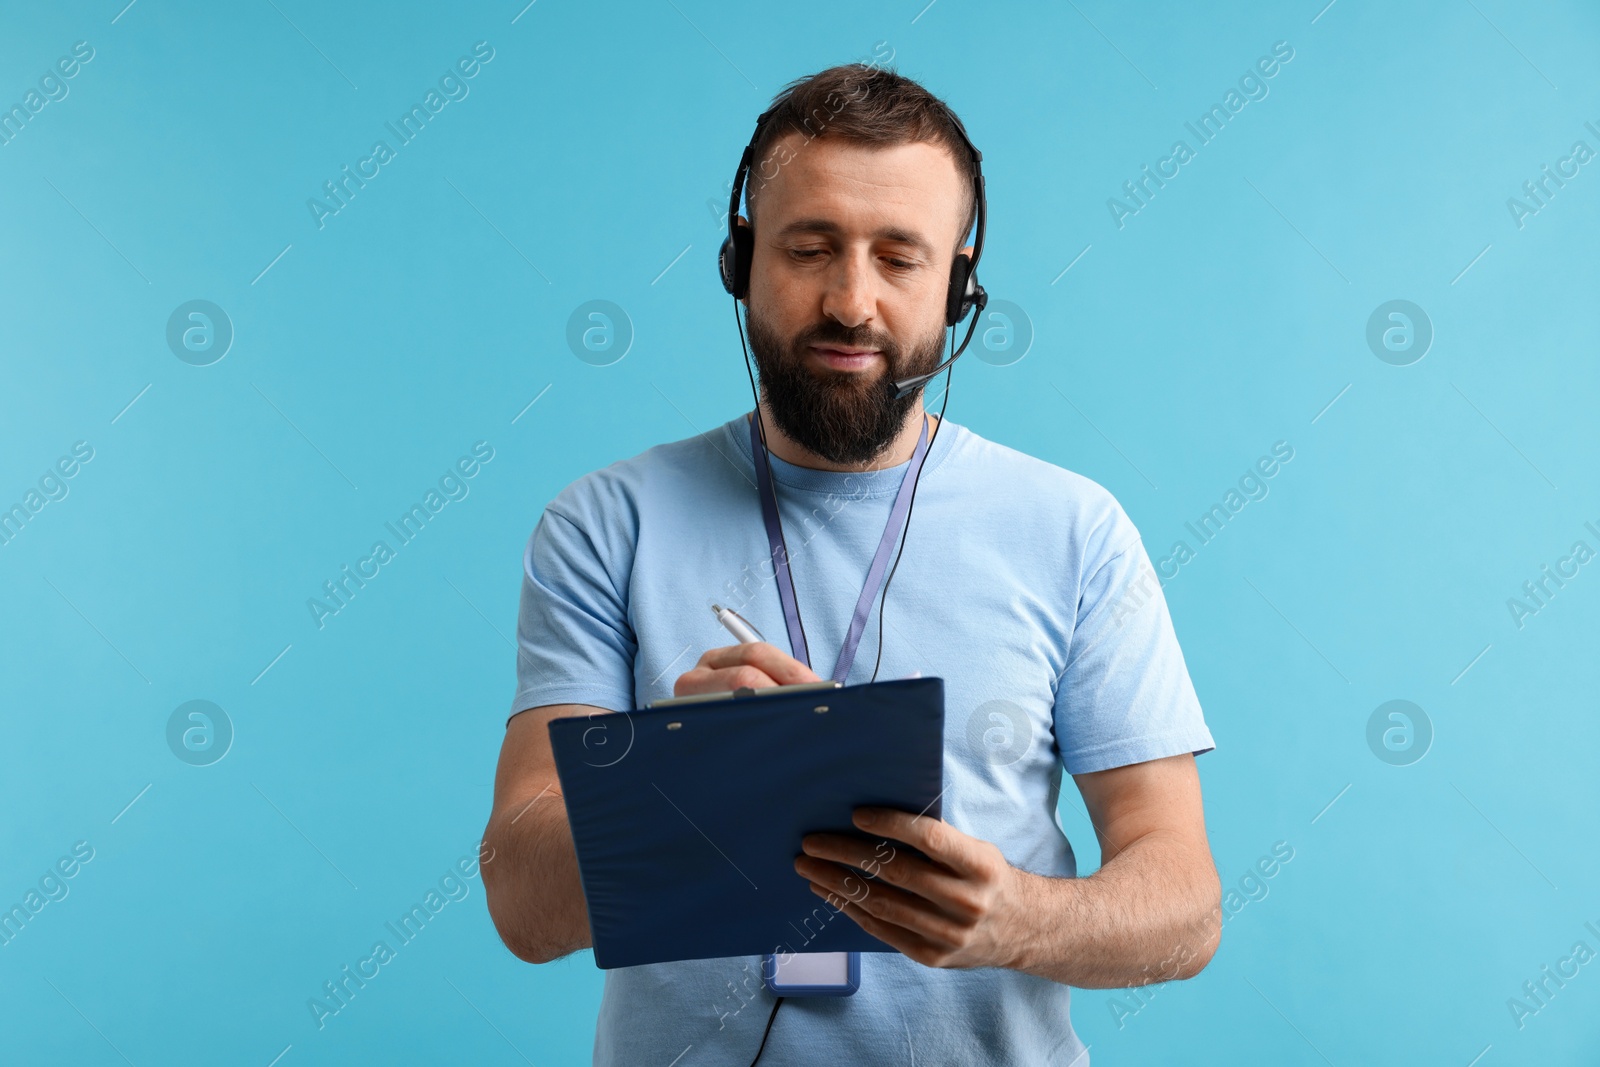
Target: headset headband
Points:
x,y
746,158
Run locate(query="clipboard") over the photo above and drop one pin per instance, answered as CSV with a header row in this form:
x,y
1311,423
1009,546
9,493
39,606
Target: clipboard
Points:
x,y
687,816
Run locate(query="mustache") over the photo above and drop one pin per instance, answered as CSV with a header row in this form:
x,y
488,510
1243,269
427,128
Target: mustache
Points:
x,y
833,333
839,416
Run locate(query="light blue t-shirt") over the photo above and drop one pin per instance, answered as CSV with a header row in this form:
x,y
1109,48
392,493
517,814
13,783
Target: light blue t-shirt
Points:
x,y
1023,585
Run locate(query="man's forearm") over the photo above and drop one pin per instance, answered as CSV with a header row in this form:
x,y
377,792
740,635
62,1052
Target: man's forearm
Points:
x,y
534,892
1152,914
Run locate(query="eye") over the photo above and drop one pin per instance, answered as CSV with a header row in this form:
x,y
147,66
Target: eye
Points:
x,y
805,253
900,264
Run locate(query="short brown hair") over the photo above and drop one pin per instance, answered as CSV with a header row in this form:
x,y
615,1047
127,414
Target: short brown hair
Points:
x,y
866,104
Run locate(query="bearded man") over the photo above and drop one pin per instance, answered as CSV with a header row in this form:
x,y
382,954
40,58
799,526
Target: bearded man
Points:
x,y
1024,586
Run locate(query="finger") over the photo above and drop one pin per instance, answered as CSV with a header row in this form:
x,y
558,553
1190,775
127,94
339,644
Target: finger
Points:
x,y
875,859
844,849
782,667
906,874
706,680
896,915
937,839
767,657
908,944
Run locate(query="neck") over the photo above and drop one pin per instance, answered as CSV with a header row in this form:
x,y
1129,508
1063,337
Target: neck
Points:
x,y
898,452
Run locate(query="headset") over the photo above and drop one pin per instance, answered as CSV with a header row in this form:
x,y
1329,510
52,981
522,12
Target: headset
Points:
x,y
963,296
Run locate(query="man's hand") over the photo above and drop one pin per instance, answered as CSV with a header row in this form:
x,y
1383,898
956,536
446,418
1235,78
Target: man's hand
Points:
x,y
960,910
1151,913
754,665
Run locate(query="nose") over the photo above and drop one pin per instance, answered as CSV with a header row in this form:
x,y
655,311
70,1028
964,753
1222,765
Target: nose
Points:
x,y
851,296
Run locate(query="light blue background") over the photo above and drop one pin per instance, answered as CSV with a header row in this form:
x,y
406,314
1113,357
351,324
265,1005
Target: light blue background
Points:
x,y
427,314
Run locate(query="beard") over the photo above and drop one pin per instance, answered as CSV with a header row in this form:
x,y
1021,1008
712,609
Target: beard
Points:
x,y
846,417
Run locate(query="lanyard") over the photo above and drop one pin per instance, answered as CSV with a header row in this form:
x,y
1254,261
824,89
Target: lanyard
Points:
x,y
880,561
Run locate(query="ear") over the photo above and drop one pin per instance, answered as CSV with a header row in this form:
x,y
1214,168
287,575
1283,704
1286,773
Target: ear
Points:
x,y
965,251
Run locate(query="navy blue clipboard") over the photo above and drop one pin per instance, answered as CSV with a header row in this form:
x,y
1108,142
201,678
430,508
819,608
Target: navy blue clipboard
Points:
x,y
687,819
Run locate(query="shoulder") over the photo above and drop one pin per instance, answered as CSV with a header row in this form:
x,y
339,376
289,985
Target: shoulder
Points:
x,y
1037,495
612,498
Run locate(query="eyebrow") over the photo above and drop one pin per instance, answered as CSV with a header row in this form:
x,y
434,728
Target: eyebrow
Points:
x,y
833,229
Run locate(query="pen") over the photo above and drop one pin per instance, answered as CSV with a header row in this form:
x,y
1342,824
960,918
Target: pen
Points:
x,y
746,634
742,631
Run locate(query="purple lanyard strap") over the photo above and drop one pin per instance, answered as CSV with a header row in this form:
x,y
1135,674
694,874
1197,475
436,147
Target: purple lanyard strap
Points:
x,y
875,574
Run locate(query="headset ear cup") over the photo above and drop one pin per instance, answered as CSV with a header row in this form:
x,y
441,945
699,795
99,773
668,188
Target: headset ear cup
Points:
x,y
958,298
725,264
733,261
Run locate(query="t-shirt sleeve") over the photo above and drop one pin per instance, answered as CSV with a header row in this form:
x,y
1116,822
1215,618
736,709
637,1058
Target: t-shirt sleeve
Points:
x,y
1125,696
575,644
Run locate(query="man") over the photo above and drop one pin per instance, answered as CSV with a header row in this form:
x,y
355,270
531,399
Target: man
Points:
x,y
1022,585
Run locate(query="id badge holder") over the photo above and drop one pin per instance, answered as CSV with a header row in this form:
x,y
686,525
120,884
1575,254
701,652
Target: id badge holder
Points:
x,y
812,974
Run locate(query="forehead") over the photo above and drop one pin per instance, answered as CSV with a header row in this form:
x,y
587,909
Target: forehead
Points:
x,y
914,187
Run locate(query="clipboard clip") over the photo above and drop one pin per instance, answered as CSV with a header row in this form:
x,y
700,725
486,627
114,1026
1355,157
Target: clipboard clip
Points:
x,y
742,693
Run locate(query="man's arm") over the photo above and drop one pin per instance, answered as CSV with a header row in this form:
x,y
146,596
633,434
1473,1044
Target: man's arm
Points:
x,y
535,896
1151,913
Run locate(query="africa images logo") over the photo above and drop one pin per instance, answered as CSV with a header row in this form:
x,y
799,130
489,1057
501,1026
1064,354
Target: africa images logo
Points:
x,y
1205,129
452,87
453,485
